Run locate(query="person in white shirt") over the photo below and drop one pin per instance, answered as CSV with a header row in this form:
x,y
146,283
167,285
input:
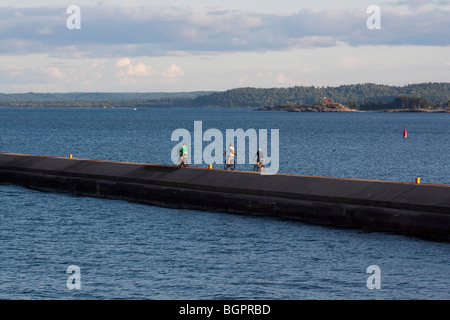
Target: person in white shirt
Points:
x,y
230,154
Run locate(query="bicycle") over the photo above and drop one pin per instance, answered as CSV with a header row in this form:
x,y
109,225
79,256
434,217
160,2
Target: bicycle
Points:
x,y
182,161
231,164
259,166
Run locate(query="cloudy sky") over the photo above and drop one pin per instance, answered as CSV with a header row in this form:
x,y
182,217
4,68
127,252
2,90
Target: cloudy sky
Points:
x,y
181,45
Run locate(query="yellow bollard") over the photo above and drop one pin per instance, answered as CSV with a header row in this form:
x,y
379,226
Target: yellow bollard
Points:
x,y
70,156
209,166
418,180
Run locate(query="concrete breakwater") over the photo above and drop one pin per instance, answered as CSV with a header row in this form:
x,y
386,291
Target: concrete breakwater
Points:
x,y
421,210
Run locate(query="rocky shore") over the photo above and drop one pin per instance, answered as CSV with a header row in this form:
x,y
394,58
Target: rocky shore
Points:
x,y
419,110
321,107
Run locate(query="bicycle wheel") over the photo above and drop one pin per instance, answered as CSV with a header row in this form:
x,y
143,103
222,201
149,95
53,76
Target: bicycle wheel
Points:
x,y
233,165
225,166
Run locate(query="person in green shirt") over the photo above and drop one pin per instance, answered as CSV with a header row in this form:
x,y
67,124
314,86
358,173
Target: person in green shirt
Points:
x,y
182,152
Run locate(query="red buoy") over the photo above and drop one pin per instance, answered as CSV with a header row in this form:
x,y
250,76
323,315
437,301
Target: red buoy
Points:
x,y
405,134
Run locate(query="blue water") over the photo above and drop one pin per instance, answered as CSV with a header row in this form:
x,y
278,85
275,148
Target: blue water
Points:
x,y
132,251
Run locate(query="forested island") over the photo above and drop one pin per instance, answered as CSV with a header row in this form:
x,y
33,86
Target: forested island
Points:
x,y
325,105
399,104
423,97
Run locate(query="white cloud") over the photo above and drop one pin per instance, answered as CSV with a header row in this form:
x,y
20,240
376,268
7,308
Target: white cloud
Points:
x,y
196,48
22,74
158,31
55,72
123,62
139,69
173,72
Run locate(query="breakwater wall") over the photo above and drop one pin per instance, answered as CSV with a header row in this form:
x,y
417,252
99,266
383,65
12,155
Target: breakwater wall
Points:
x,y
415,209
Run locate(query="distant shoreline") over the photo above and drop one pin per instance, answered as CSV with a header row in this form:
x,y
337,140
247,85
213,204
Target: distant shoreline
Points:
x,y
418,110
285,109
356,97
319,107
359,111
337,107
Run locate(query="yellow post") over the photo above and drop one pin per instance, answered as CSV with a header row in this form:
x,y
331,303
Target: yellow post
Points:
x,y
209,166
418,180
70,156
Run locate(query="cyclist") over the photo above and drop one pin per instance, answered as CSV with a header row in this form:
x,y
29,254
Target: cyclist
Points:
x,y
182,152
259,156
231,153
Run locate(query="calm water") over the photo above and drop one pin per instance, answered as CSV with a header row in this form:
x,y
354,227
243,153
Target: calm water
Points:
x,y
131,251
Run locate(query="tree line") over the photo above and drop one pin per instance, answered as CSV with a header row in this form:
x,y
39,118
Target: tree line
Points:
x,y
359,96
404,103
354,96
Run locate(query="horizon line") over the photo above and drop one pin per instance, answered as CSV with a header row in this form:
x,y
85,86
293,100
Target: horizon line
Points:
x,y
244,87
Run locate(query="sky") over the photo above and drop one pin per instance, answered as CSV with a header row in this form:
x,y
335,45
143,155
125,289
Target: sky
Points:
x,y
196,45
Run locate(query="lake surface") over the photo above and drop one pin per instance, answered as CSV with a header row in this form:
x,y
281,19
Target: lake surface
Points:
x,y
131,251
